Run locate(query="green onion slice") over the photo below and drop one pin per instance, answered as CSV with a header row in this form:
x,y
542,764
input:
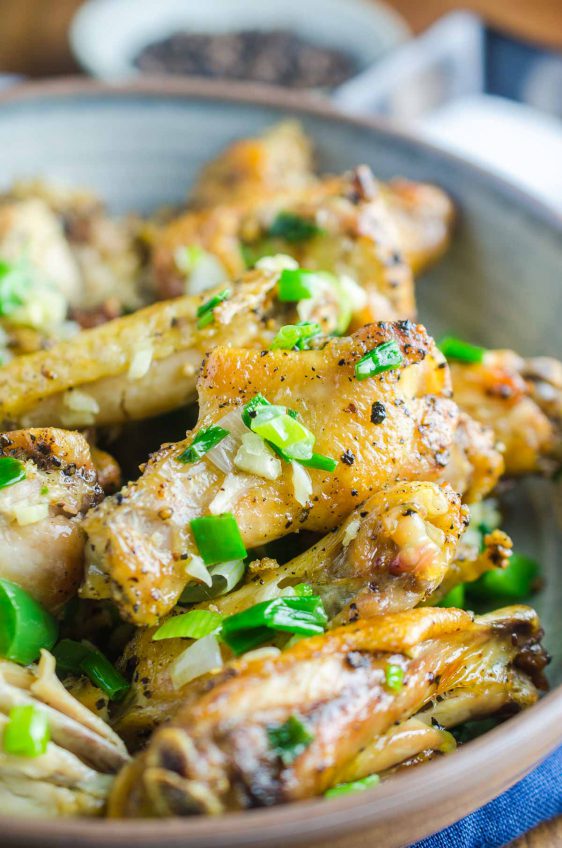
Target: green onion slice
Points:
x,y
384,357
250,409
225,576
81,658
462,351
25,627
394,677
296,284
318,460
205,311
304,615
290,739
293,228
303,590
27,731
16,279
191,625
454,598
281,429
206,438
353,786
508,584
218,538
11,471
295,336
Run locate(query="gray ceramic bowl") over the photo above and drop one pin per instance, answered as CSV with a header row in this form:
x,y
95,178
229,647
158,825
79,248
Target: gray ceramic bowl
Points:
x,y
499,285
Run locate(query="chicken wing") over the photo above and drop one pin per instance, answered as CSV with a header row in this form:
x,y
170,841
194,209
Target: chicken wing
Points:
x,y
145,363
40,516
339,225
521,400
276,729
139,540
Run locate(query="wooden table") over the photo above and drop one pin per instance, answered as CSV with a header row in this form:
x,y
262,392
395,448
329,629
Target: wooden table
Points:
x,y
33,42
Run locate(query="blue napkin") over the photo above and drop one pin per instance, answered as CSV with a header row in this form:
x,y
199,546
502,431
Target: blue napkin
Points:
x,y
534,799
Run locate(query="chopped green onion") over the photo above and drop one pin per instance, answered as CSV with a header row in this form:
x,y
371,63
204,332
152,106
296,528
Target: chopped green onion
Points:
x,y
318,460
454,598
252,626
293,228
296,284
16,279
218,538
384,357
283,430
25,627
454,348
249,410
290,739
507,584
206,438
11,471
394,677
225,577
191,625
27,732
303,590
354,786
80,658
295,336
205,311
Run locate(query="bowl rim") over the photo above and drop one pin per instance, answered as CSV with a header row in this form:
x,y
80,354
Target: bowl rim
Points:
x,y
526,739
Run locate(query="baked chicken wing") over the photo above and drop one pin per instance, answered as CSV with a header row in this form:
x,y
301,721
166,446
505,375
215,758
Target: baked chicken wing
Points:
x,y
270,730
139,540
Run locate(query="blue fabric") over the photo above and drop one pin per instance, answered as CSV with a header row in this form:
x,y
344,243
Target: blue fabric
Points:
x,y
534,799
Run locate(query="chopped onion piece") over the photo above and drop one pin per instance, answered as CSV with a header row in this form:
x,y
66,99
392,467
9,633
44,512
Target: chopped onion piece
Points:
x,y
203,270
225,576
197,569
356,294
277,263
79,401
351,532
30,513
140,363
255,457
302,484
232,487
200,658
223,454
268,652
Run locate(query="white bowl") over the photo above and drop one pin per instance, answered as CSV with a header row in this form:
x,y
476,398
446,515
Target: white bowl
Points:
x,y
107,35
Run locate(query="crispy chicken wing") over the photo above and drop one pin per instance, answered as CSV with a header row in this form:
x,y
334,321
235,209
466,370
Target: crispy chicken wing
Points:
x,y
390,553
521,400
145,363
139,540
340,225
40,516
271,730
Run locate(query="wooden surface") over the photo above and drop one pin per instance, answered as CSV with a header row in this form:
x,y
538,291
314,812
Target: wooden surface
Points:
x,y
33,42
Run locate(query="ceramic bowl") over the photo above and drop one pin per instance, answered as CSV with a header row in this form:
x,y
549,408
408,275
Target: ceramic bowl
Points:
x,y
499,285
107,35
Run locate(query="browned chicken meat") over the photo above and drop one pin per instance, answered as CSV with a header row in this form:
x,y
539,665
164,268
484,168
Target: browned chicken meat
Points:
x,y
392,552
340,225
139,540
40,515
521,400
270,730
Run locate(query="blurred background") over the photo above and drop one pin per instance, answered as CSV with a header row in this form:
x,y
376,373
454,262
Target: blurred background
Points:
x,y
482,77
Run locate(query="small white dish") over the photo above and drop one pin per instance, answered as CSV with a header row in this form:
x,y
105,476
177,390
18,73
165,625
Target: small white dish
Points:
x,y
107,35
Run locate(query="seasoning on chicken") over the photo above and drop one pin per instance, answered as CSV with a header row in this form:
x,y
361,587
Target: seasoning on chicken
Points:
x,y
41,511
277,729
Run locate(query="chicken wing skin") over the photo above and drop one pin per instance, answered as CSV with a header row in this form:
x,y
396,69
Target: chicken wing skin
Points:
x,y
139,540
145,363
475,463
221,751
40,516
351,233
521,400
